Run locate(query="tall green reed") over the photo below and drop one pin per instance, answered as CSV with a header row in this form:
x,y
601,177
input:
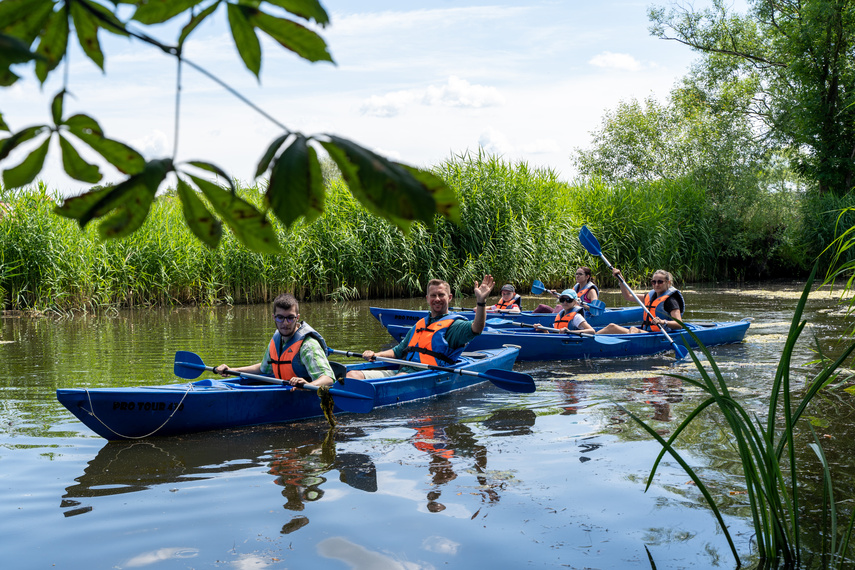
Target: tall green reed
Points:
x,y
518,223
766,449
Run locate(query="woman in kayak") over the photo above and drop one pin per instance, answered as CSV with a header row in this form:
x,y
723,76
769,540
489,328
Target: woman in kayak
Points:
x,y
664,301
585,288
569,318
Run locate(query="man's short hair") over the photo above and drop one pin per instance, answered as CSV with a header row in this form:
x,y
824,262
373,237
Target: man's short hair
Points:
x,y
285,301
437,283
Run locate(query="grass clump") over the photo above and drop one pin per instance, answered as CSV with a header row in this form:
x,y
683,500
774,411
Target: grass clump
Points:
x,y
766,450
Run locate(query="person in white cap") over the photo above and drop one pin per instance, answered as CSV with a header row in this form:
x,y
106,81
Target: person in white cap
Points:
x,y
570,318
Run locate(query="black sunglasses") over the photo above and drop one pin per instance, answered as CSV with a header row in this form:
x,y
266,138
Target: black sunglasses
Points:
x,y
656,281
282,319
564,299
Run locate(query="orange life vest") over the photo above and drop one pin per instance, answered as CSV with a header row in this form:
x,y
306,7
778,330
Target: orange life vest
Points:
x,y
656,307
509,304
428,342
583,292
564,318
286,360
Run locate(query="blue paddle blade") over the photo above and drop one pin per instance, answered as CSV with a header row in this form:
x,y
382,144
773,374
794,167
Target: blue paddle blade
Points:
x,y
497,321
680,352
537,287
354,395
589,242
510,380
607,339
188,364
596,307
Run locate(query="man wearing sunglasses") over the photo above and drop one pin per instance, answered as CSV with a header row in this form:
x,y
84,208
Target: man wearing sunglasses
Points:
x,y
297,353
437,339
664,301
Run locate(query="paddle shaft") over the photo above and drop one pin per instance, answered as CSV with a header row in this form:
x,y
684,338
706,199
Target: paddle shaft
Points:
x,y
261,378
504,379
410,363
356,396
551,329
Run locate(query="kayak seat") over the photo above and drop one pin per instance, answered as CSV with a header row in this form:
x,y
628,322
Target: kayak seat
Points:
x,y
474,355
338,369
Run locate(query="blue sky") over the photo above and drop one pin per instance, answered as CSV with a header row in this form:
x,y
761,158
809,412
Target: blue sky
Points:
x,y
415,81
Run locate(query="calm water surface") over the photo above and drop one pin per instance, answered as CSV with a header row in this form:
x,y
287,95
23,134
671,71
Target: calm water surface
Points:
x,y
480,478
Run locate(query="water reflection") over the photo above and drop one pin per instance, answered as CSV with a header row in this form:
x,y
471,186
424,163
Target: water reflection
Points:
x,y
301,471
447,442
660,392
300,466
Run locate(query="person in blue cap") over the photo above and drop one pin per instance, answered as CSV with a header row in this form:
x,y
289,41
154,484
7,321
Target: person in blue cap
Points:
x,y
570,318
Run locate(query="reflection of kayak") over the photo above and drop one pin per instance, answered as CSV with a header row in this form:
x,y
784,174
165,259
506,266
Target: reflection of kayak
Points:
x,y
297,458
558,346
619,315
125,413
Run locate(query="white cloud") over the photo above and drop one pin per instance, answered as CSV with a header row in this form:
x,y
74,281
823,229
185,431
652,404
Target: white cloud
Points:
x,y
496,142
456,92
621,61
388,105
460,93
153,145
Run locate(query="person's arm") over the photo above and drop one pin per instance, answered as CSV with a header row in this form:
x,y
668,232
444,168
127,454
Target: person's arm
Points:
x,y
394,352
592,294
674,312
482,291
584,326
251,369
315,360
624,289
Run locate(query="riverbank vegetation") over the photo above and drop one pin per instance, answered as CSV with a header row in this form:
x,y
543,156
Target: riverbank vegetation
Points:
x,y
517,223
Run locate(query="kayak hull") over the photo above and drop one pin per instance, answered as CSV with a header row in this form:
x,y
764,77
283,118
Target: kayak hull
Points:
x,y
558,346
407,317
212,404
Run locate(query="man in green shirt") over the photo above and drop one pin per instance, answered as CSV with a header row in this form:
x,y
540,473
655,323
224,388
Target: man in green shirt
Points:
x,y
296,353
452,336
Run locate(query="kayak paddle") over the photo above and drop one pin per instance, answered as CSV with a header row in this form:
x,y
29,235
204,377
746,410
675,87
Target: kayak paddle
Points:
x,y
595,307
504,379
602,339
590,243
355,396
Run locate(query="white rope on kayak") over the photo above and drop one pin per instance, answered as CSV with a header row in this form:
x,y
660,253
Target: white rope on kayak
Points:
x,y
91,412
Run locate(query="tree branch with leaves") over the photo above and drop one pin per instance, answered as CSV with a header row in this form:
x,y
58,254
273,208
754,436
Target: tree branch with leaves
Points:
x,y
35,34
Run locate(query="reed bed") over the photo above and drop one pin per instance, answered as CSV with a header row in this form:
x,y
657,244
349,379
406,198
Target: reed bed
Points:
x,y
517,223
766,447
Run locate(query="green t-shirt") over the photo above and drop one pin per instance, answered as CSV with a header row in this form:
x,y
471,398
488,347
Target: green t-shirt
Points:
x,y
458,334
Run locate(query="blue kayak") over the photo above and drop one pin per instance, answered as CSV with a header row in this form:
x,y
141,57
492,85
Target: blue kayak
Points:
x,y
618,315
137,412
560,346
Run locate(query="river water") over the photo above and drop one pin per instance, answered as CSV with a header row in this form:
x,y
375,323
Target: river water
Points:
x,y
480,478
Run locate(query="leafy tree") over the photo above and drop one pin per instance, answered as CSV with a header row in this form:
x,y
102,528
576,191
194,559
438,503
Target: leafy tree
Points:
x,y
697,133
798,56
36,33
